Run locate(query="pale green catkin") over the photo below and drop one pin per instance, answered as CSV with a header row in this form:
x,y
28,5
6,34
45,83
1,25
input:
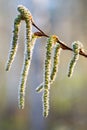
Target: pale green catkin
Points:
x,y
47,67
14,45
26,16
46,79
76,48
25,13
26,66
54,70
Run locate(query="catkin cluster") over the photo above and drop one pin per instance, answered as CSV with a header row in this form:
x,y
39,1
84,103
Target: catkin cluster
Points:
x,y
52,54
29,45
50,71
54,69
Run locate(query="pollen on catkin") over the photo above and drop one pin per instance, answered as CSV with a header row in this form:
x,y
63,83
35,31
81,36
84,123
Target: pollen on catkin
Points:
x,y
14,45
54,70
76,46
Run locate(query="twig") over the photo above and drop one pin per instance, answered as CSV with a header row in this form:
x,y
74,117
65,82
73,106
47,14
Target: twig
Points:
x,y
63,45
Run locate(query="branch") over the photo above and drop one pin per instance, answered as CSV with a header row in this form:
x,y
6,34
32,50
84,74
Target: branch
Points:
x,y
63,45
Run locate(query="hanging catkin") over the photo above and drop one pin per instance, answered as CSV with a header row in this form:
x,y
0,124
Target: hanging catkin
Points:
x,y
14,45
47,69
76,46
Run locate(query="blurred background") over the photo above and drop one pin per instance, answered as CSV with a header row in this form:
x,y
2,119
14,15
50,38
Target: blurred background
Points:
x,y
68,96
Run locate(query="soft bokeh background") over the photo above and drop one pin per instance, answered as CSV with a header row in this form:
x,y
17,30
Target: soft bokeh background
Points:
x,y
68,98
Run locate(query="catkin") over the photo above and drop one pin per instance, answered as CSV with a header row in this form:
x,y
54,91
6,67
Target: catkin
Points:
x,y
26,66
14,45
54,70
76,48
47,67
46,79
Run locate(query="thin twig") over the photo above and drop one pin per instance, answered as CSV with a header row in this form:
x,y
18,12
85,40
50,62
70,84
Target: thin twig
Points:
x,y
63,45
39,29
